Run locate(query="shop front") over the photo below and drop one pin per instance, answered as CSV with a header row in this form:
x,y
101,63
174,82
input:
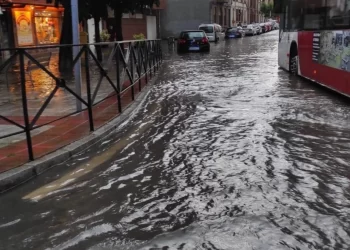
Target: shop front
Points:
x,y
36,25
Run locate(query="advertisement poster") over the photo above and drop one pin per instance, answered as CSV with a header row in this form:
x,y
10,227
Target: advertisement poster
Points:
x,y
332,48
24,28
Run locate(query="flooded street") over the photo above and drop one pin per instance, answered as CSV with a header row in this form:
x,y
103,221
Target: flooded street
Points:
x,y
227,152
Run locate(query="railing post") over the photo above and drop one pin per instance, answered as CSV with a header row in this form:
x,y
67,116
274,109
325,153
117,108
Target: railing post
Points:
x,y
161,51
154,57
117,61
157,57
144,61
88,87
139,63
25,106
132,70
149,57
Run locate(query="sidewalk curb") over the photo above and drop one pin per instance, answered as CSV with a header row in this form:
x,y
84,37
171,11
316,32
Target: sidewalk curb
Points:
x,y
24,173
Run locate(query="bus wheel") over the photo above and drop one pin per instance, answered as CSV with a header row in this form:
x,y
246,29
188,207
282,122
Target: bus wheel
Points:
x,y
293,59
293,67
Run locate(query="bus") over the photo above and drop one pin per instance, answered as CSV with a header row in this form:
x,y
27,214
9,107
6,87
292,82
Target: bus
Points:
x,y
314,41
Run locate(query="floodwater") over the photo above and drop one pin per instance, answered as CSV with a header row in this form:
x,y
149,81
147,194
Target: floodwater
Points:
x,y
227,152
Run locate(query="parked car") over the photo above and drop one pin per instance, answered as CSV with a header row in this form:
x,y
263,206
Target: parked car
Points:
x,y
263,27
258,28
234,32
269,24
274,24
249,30
193,40
212,31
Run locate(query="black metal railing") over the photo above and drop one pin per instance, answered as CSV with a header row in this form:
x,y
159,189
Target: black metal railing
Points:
x,y
125,66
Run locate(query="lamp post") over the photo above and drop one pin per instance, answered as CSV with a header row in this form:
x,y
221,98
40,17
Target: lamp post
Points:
x,y
76,40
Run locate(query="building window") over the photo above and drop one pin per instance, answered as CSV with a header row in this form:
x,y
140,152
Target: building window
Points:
x,y
47,25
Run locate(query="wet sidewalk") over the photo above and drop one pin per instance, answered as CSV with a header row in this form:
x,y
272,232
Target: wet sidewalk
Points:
x,y
56,127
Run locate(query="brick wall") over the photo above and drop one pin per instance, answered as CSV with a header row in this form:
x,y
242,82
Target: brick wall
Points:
x,y
133,26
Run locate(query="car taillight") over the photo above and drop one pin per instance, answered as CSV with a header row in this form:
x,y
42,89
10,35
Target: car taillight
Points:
x,y
182,41
205,40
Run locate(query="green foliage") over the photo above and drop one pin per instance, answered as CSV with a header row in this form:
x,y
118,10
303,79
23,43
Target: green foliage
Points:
x,y
266,9
140,36
105,36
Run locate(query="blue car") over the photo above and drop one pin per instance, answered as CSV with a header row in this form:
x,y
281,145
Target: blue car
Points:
x,y
235,32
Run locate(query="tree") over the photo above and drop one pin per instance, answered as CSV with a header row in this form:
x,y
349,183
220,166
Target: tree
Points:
x,y
266,9
124,6
98,10
66,53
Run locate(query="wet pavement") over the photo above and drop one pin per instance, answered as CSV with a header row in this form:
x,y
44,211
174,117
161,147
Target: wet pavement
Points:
x,y
228,152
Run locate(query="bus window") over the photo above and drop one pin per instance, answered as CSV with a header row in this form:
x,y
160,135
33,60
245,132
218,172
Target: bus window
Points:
x,y
315,14
338,14
295,14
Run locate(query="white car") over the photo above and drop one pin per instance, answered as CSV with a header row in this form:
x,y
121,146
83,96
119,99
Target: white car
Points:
x,y
258,28
250,30
213,31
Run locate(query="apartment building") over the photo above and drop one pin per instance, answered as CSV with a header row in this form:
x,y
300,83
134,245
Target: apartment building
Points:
x,y
185,15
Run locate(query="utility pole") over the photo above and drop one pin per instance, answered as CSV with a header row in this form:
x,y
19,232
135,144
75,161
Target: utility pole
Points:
x,y
76,40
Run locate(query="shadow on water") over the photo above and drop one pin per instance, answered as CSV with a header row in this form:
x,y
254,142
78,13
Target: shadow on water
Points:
x,y
228,152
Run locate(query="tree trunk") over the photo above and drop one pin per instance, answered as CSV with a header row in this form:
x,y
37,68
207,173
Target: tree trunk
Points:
x,y
118,31
98,38
66,53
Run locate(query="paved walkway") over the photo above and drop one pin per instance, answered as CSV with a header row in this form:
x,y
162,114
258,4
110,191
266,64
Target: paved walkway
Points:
x,y
48,138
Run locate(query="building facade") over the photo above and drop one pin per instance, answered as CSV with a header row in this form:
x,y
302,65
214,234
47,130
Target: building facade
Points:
x,y
30,23
220,11
247,11
239,10
35,23
186,15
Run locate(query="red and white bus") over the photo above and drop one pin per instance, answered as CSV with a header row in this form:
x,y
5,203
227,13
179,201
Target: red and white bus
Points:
x,y
314,41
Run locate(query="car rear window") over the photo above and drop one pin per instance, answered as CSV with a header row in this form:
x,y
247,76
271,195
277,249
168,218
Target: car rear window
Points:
x,y
232,30
192,35
207,29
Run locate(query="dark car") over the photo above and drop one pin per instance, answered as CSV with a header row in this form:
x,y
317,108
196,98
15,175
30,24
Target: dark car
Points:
x,y
193,40
234,33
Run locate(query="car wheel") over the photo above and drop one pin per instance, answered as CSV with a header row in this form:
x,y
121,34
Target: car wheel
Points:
x,y
293,67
